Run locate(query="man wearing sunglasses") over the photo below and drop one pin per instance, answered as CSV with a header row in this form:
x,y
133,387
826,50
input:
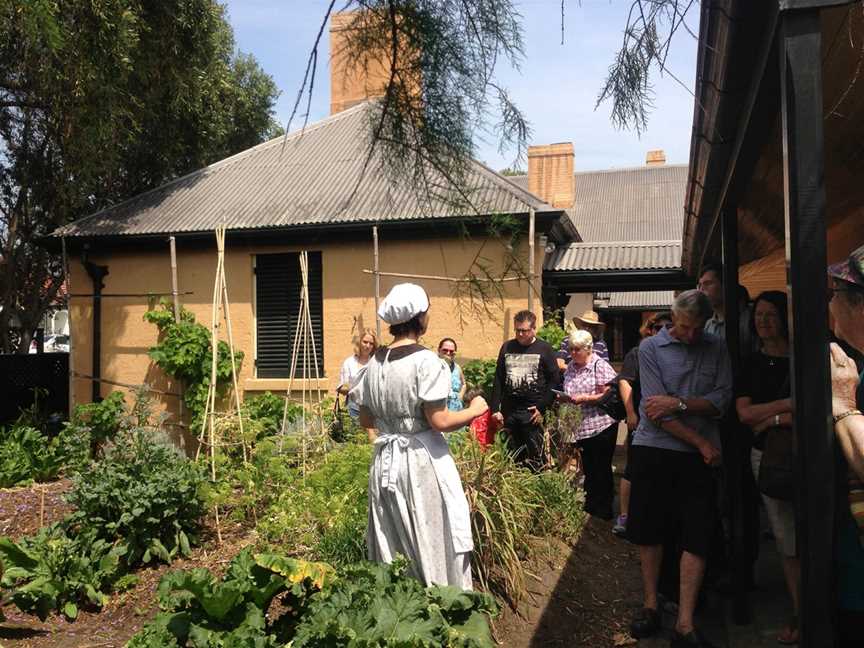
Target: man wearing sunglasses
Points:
x,y
525,375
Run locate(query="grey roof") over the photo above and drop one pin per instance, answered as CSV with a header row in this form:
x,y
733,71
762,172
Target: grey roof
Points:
x,y
634,204
644,300
306,178
616,255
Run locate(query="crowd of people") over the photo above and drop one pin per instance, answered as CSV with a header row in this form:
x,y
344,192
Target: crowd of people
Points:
x,y
705,450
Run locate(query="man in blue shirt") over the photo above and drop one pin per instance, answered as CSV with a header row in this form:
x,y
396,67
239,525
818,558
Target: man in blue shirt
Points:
x,y
686,387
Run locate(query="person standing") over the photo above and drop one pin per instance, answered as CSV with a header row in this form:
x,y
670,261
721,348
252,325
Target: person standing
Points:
x,y
447,352
417,506
763,403
631,395
525,374
847,391
365,345
586,380
590,321
686,381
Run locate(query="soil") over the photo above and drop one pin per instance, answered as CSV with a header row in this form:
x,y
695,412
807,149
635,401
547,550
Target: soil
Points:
x,y
125,612
580,595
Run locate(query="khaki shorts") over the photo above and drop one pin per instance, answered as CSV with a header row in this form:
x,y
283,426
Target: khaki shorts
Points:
x,y
781,514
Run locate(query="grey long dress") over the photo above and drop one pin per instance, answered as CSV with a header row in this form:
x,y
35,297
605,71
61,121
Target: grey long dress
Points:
x,y
417,507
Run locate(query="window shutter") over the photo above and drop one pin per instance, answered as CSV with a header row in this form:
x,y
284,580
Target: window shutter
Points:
x,y
277,285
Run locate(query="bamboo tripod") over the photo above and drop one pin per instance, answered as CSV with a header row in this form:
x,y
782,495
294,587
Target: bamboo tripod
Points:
x,y
208,436
303,339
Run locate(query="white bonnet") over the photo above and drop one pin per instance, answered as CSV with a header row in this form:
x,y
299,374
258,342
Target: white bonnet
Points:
x,y
403,302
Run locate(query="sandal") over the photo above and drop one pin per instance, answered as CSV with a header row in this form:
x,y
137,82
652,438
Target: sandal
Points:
x,y
789,635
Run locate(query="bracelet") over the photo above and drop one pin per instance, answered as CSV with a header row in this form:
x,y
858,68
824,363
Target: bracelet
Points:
x,y
851,412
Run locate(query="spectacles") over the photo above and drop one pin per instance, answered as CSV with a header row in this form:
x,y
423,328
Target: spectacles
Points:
x,y
447,351
524,330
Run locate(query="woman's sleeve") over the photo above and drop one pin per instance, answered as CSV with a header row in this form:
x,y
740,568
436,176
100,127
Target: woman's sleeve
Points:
x,y
344,372
433,379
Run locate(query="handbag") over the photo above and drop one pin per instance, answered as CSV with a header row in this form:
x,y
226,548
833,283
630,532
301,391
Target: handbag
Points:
x,y
777,468
336,429
611,402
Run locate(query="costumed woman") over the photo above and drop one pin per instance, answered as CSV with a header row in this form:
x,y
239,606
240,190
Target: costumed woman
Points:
x,y
417,506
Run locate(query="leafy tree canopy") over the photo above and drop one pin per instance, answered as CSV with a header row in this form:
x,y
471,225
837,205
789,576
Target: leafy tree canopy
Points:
x,y
101,100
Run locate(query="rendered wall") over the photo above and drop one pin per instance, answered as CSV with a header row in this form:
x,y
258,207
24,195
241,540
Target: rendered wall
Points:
x,y
348,305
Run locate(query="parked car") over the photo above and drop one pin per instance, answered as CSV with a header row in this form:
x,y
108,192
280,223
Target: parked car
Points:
x,y
57,344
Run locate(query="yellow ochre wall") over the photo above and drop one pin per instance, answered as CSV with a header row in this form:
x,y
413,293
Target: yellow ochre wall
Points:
x,y
348,297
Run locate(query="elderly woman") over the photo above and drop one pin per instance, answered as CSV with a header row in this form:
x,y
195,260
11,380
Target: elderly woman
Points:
x,y
586,379
847,311
417,507
365,345
763,403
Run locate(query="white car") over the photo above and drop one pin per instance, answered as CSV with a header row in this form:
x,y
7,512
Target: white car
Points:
x,y
57,344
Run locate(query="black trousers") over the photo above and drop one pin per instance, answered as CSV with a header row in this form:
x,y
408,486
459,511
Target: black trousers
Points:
x,y
524,439
597,454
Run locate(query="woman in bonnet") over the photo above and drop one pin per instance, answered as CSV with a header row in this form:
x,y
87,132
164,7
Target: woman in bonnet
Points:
x,y
417,507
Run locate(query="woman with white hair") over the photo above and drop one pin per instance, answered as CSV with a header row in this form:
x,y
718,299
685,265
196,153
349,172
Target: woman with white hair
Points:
x,y
417,507
586,380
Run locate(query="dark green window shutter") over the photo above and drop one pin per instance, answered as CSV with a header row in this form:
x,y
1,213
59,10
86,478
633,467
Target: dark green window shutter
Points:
x,y
277,310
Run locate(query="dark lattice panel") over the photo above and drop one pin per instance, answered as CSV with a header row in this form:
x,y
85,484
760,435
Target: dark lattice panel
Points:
x,y
21,374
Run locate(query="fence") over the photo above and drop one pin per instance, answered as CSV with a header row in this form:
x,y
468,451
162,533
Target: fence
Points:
x,y
22,374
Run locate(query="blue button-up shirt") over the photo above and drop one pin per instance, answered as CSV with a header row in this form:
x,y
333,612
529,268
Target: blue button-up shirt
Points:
x,y
669,367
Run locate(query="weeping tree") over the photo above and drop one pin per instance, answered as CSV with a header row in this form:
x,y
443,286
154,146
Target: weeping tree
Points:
x,y
442,93
101,100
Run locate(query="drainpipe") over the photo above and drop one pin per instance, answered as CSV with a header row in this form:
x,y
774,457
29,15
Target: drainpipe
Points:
x,y
97,274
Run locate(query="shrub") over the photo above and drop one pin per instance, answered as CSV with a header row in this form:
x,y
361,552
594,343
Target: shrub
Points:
x,y
103,419
56,569
144,495
551,331
480,373
324,515
268,409
27,455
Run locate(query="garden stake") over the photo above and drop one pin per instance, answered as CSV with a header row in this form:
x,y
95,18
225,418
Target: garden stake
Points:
x,y
41,506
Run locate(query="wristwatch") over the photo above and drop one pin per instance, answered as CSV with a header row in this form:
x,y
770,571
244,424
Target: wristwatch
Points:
x,y
681,407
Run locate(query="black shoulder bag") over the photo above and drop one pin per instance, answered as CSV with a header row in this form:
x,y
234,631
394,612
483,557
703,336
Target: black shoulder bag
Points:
x,y
611,403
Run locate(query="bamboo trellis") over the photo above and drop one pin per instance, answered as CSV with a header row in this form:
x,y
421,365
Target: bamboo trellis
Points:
x,y
220,310
304,339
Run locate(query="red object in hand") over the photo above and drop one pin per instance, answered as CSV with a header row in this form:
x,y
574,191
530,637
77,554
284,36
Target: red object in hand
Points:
x,y
484,428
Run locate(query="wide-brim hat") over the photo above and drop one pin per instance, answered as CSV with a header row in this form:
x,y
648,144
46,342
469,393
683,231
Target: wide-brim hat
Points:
x,y
851,270
589,319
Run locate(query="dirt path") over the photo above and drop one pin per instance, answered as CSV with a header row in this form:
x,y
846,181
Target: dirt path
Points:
x,y
582,595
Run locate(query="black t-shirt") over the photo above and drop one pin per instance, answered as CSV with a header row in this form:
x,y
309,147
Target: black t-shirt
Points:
x,y
765,378
630,373
525,376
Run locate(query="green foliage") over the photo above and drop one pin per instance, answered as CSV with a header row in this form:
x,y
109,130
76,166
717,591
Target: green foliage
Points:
x,y
364,604
184,352
27,455
99,101
480,373
199,610
104,418
324,516
144,496
58,569
268,409
510,504
551,331
379,605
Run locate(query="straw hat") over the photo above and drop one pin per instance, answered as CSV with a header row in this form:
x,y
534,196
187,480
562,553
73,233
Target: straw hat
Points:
x,y
589,319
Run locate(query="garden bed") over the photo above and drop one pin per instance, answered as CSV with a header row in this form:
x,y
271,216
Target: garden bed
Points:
x,y
25,509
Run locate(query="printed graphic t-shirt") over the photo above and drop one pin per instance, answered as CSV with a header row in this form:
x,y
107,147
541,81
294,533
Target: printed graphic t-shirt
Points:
x,y
524,376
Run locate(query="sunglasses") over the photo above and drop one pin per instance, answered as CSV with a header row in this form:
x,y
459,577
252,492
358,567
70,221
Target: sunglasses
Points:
x,y
524,330
447,351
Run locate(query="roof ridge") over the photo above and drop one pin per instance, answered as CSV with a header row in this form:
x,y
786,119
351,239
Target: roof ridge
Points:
x,y
628,243
231,159
617,169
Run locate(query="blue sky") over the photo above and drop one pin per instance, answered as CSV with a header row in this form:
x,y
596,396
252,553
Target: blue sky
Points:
x,y
556,87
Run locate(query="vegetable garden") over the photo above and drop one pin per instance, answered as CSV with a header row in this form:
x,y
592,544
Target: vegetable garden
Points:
x,y
297,575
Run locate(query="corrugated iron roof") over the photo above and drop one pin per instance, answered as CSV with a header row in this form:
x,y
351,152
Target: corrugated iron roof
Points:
x,y
616,255
309,177
634,204
645,300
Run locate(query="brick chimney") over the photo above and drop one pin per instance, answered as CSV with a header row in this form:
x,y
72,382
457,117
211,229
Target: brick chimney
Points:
x,y
550,173
350,82
656,157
